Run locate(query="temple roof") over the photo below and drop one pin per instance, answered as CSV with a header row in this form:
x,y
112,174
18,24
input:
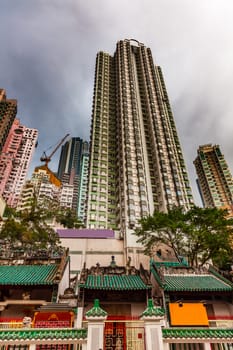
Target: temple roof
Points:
x,y
176,279
114,277
115,282
195,283
28,274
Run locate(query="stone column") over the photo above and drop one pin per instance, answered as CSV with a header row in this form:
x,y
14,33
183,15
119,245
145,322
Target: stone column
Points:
x,y
32,347
79,318
165,346
207,346
95,332
153,318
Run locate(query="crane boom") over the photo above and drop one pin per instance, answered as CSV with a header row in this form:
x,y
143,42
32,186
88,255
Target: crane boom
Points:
x,y
46,158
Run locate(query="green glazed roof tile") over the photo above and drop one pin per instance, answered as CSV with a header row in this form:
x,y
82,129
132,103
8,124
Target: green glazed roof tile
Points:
x,y
115,282
191,282
27,274
96,310
152,310
197,333
195,283
39,334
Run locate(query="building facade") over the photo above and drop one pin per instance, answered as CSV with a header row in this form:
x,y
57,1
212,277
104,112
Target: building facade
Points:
x,y
72,164
15,159
136,161
214,181
8,110
43,186
82,196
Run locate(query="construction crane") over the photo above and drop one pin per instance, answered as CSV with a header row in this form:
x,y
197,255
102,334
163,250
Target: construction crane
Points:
x,y
47,159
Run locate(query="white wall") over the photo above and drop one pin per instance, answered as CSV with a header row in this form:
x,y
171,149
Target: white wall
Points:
x,y
92,251
65,280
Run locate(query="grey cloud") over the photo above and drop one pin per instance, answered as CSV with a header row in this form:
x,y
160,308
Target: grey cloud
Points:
x,y
48,50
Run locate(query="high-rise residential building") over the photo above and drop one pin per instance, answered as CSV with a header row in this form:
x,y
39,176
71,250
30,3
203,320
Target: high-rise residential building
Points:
x,y
26,197
46,184
66,196
214,181
8,110
15,159
43,186
82,197
70,168
136,161
46,188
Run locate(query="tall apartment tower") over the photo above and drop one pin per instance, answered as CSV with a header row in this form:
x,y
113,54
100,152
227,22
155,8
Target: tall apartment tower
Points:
x,y
136,161
70,166
8,110
15,159
214,181
82,197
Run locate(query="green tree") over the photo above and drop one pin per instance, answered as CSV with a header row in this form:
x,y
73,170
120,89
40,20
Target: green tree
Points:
x,y
166,228
29,229
200,234
209,236
68,218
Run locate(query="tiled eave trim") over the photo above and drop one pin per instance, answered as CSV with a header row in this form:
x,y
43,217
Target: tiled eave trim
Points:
x,y
43,336
201,335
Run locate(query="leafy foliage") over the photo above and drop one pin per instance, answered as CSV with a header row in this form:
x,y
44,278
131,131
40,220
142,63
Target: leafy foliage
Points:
x,y
68,219
166,228
209,236
200,234
29,229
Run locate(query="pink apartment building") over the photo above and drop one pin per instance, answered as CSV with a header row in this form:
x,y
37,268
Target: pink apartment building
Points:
x,y
14,161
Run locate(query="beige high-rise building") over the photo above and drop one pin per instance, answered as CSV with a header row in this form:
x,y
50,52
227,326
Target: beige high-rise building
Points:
x,y
136,161
214,181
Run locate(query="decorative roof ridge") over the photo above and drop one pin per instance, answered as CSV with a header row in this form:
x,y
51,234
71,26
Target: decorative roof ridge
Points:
x,y
96,310
156,275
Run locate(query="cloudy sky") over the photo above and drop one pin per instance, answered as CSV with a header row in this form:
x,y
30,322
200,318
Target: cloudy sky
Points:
x,y
47,61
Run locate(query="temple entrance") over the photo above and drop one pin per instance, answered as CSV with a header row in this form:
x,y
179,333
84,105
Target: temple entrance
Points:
x,y
124,336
